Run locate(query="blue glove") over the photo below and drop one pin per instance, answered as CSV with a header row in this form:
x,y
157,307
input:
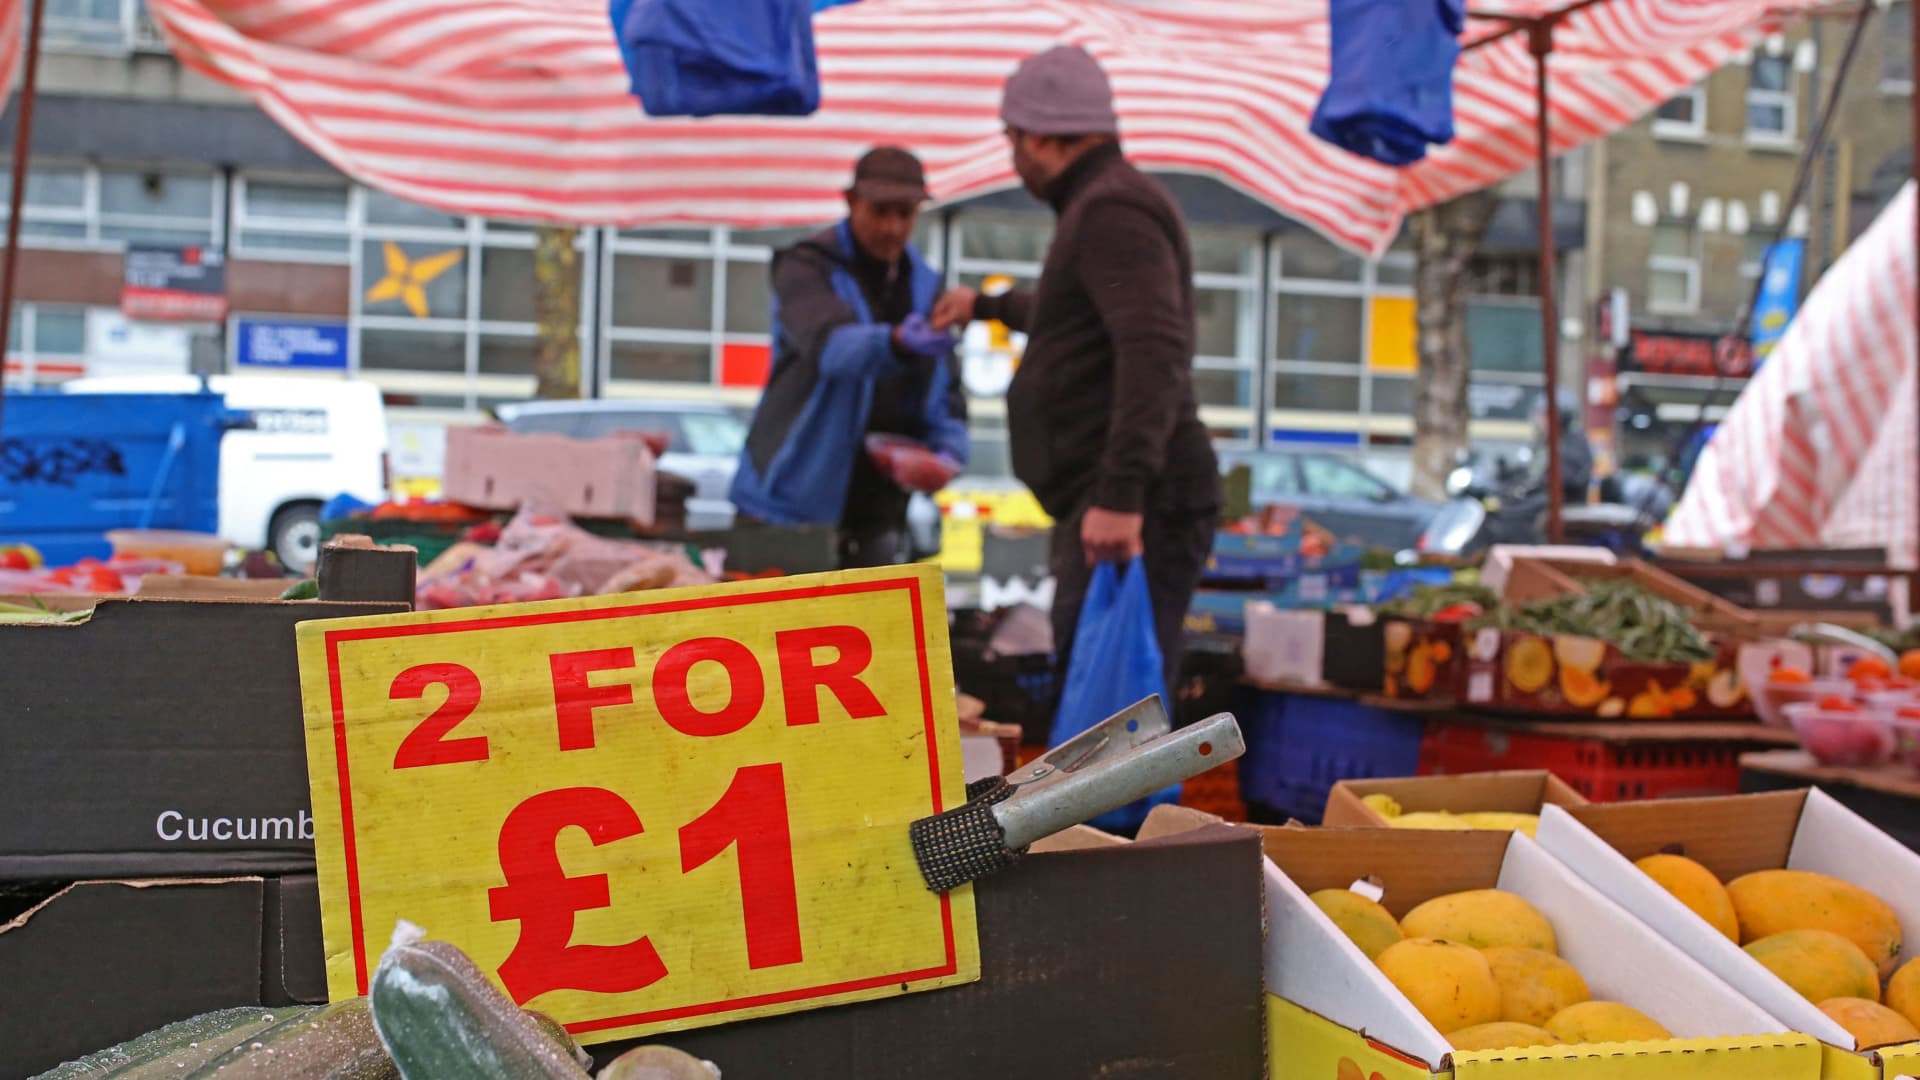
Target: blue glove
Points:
x,y
915,335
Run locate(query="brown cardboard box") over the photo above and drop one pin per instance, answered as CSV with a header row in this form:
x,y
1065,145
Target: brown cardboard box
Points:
x,y
1516,792
1731,836
495,469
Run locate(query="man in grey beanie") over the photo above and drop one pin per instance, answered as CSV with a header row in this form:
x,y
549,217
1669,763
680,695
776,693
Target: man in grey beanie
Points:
x,y
1102,416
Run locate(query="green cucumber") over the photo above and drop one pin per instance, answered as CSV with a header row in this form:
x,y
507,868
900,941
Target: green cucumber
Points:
x,y
442,1020
561,1037
209,1033
335,1042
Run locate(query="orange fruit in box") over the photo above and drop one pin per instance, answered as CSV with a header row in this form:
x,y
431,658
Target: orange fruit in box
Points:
x,y
1869,667
1583,689
1910,664
1789,675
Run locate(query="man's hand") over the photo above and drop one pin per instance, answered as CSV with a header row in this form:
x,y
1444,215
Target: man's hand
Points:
x,y
915,336
1110,536
955,307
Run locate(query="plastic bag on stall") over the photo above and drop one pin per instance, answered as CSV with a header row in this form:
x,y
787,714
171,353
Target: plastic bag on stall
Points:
x,y
1116,662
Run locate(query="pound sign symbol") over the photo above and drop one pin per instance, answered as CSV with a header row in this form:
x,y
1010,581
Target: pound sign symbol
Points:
x,y
541,896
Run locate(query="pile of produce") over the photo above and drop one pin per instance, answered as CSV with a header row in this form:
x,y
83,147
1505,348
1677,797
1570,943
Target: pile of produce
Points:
x,y
1483,967
1644,627
545,556
431,1015
1457,602
1830,940
1492,820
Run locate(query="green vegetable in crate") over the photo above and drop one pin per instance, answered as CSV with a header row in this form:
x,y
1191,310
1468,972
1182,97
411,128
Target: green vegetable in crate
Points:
x,y
307,589
1644,627
333,1042
176,1048
442,1020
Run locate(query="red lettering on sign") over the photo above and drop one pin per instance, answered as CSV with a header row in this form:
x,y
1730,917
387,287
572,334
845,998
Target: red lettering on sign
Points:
x,y
748,688
575,698
802,678
427,744
753,815
541,896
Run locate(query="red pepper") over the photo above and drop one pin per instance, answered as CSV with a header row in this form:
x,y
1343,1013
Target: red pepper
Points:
x,y
14,559
1460,612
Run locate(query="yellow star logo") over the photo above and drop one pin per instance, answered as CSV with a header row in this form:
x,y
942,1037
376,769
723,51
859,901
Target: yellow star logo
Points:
x,y
407,279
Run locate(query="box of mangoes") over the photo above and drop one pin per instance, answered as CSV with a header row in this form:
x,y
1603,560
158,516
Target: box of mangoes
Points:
x,y
1396,955
1501,801
1794,900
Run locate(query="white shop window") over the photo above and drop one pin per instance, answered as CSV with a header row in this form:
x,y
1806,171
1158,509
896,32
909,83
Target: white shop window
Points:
x,y
1684,115
1770,100
1673,269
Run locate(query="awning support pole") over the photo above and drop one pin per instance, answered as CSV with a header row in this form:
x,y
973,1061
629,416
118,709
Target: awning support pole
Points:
x,y
22,146
1540,38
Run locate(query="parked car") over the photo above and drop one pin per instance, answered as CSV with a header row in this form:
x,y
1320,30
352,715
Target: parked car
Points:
x,y
1336,494
704,440
307,441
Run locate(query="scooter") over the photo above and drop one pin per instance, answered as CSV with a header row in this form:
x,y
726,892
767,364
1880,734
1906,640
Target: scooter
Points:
x,y
1501,502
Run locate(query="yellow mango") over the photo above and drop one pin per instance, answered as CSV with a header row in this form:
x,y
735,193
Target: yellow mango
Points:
x,y
1450,984
1534,985
1429,819
1870,1023
1773,901
1502,822
1605,1021
1818,964
1500,1035
1903,991
1695,886
1383,804
1369,925
1482,918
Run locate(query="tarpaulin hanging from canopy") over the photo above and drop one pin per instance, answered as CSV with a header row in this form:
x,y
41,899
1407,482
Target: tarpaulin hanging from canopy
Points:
x,y
719,57
520,108
1819,451
1390,89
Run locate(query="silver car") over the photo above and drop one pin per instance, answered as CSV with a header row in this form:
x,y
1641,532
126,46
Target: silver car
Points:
x,y
704,440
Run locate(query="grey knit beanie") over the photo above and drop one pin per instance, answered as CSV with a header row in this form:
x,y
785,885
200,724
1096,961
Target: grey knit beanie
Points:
x,y
1061,91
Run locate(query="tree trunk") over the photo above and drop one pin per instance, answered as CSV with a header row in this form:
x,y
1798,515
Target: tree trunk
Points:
x,y
556,307
1445,238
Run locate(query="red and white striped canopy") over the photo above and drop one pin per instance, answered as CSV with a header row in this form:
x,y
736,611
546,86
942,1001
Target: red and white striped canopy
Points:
x,y
519,108
1820,450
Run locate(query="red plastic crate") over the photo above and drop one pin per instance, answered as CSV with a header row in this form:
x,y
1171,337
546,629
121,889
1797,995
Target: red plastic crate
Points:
x,y
1602,771
1217,792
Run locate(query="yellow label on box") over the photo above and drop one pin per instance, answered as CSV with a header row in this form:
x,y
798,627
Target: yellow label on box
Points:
x,y
651,811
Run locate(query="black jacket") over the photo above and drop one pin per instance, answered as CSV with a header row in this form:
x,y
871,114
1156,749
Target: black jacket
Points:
x,y
1102,410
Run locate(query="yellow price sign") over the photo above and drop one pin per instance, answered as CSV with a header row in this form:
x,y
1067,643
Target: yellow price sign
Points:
x,y
651,811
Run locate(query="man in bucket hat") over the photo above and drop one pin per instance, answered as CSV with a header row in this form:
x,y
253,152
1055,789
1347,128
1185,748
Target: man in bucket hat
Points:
x,y
1102,416
856,362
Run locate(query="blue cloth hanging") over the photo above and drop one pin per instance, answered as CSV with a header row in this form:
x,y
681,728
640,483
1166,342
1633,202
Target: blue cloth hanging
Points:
x,y
1390,90
719,57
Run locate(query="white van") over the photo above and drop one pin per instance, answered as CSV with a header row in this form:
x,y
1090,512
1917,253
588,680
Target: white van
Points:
x,y
311,439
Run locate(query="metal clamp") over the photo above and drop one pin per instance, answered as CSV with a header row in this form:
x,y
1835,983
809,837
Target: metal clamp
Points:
x,y
1127,756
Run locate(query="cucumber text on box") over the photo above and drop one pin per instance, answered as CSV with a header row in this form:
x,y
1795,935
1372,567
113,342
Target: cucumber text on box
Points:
x,y
651,811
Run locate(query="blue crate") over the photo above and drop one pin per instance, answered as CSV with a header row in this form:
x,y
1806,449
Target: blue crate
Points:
x,y
1299,745
73,466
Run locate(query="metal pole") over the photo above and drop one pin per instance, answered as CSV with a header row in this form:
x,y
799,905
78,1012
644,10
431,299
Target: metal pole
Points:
x,y
22,146
1541,40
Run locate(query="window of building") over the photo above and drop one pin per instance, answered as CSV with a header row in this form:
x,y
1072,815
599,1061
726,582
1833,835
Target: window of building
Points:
x,y
1673,270
1317,329
56,202
1684,115
1753,253
1896,50
301,219
1770,105
150,207
55,346
1506,274
1307,256
100,24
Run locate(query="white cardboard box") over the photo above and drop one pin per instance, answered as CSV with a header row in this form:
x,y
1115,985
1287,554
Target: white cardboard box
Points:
x,y
1819,834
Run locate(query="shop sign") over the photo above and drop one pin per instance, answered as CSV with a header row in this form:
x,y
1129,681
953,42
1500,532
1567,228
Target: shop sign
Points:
x,y
642,813
1779,295
273,343
1701,355
174,284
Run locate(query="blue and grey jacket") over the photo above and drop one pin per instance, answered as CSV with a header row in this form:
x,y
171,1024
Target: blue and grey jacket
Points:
x,y
832,353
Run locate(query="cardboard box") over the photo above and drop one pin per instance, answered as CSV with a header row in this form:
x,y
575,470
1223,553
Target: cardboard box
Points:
x,y
1517,792
495,469
1424,660
108,960
1341,647
1731,836
1579,676
157,737
1333,1014
1099,958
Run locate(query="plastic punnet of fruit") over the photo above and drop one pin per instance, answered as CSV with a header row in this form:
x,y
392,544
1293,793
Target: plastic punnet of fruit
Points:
x,y
1845,737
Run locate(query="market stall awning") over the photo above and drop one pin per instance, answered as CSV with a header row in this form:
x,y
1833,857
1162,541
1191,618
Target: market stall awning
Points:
x,y
1819,451
520,109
